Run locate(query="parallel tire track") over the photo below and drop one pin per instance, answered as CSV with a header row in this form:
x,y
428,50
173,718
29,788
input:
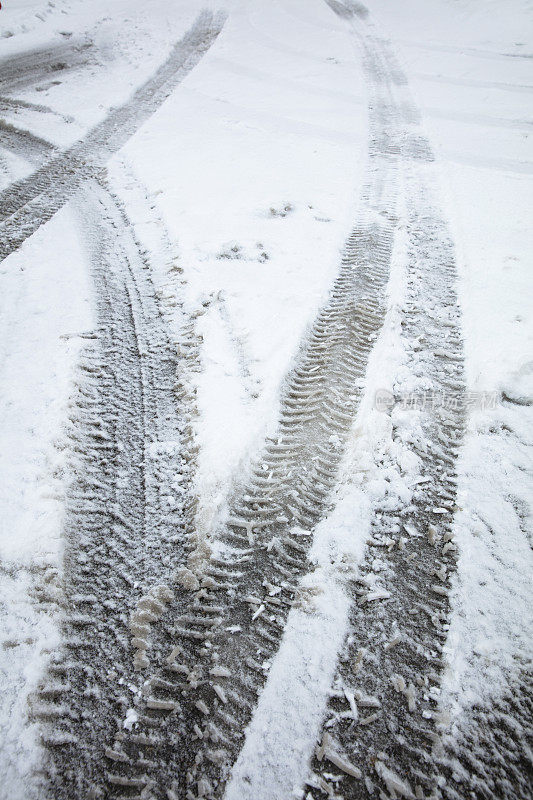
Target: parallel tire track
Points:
x,y
384,724
379,733
385,696
393,654
31,202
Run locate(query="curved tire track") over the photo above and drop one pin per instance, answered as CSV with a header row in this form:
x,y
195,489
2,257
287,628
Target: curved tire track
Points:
x,y
29,203
130,439
124,532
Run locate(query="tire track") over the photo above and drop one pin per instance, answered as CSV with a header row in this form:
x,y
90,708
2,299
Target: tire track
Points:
x,y
377,730
10,104
393,655
380,731
25,144
33,67
128,511
398,739
242,588
487,748
133,389
31,202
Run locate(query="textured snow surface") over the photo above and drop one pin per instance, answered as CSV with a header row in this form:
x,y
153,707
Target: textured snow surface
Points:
x,y
252,170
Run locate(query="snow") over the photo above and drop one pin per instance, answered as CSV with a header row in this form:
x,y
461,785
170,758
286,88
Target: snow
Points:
x,y
13,167
26,15
114,51
250,173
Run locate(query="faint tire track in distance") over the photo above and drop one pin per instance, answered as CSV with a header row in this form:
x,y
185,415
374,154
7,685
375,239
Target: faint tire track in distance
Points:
x,y
30,202
25,144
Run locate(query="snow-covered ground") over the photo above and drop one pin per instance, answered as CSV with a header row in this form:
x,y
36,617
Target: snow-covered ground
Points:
x,y
251,173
